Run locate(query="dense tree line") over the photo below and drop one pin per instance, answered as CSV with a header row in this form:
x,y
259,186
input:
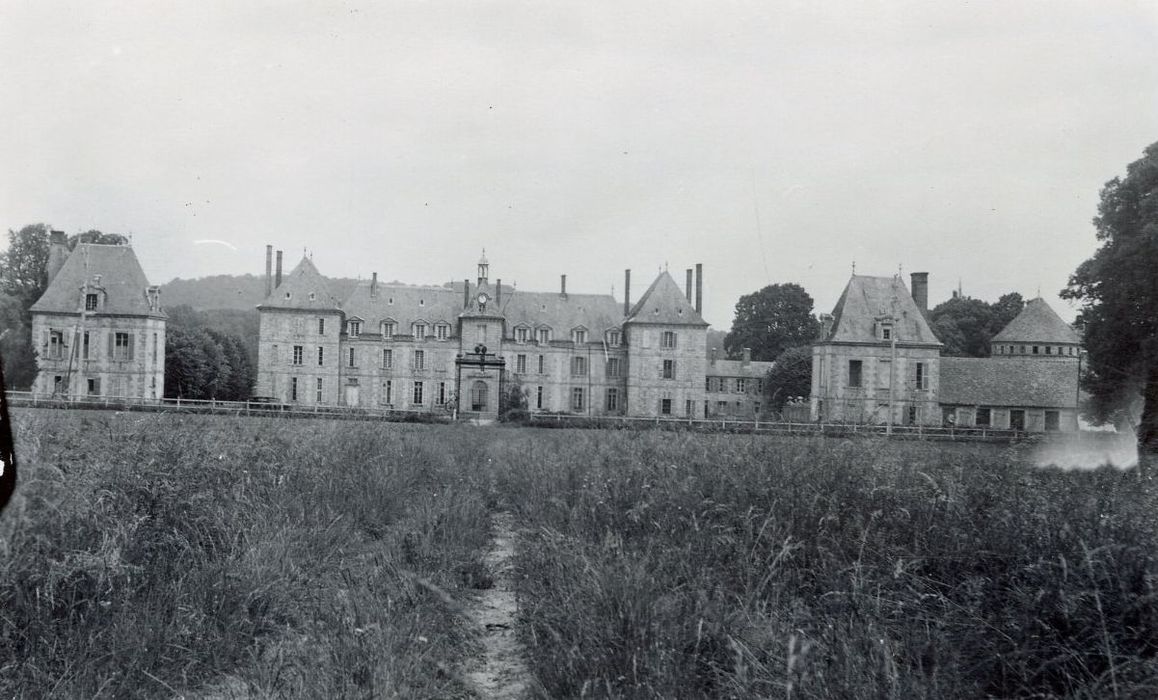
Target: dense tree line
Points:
x,y
202,362
966,326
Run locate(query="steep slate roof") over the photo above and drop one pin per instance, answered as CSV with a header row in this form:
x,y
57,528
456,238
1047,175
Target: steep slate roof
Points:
x,y
1037,323
122,280
1009,381
404,304
664,303
864,299
299,283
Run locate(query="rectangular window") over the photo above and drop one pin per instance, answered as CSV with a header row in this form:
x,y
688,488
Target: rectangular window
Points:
x,y
84,347
417,398
854,373
667,339
388,391
886,331
707,384
55,345
520,364
741,385
352,363
293,388
541,364
1035,350
322,356
539,398
688,408
578,366
419,360
154,346
321,326
442,331
613,367
1052,420
94,386
123,346
419,331
520,335
921,377
612,400
665,407
387,329
440,399
912,415
614,338
318,396
579,336
297,355
667,371
387,358
577,399
544,336
984,420
354,328
90,302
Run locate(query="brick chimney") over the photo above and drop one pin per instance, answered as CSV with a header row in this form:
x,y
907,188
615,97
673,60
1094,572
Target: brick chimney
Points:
x,y
563,286
268,270
626,292
498,294
699,288
277,272
57,253
920,290
826,321
374,285
466,294
688,286
747,357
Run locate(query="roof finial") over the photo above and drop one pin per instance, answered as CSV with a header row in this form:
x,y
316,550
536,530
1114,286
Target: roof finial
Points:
x,y
854,267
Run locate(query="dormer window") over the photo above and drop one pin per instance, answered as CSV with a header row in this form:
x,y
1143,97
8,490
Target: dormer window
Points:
x,y
388,329
886,331
419,331
91,301
521,334
287,295
544,336
313,296
614,338
579,335
442,331
353,328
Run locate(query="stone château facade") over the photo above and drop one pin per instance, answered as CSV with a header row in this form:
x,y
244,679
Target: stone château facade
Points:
x,y
419,347
878,353
98,329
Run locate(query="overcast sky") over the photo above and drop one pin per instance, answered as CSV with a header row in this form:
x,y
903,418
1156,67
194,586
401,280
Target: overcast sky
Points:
x,y
770,141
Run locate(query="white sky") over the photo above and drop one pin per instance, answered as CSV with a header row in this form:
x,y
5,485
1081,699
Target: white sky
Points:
x,y
771,141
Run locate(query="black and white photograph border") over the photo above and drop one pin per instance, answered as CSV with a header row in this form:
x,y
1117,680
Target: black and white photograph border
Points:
x,y
612,350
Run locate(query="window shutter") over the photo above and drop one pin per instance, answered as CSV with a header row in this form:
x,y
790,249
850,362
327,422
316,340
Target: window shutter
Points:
x,y
132,337
112,343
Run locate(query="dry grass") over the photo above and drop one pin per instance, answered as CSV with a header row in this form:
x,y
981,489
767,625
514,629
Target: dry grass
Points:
x,y
161,556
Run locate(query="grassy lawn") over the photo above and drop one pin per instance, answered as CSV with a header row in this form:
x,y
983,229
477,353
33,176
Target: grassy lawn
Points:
x,y
152,555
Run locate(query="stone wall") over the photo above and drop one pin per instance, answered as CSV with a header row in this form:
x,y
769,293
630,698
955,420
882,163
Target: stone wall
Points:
x,y
646,388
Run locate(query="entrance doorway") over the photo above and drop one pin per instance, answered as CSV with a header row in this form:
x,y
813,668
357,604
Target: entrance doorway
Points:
x,y
478,396
351,394
1017,419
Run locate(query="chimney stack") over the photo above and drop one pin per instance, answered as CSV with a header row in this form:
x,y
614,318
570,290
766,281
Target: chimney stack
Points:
x,y
374,285
268,270
466,294
277,273
699,288
563,286
626,292
498,294
712,356
688,286
57,253
920,290
747,357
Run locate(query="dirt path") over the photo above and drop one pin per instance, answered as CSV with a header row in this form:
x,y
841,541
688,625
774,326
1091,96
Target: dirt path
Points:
x,y
501,673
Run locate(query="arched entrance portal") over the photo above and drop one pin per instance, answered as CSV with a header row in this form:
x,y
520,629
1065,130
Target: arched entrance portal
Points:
x,y
478,396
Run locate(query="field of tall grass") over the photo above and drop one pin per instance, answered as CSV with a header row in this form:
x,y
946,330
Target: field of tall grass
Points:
x,y
157,556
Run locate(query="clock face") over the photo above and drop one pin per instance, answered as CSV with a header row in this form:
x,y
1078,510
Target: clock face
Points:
x,y
483,298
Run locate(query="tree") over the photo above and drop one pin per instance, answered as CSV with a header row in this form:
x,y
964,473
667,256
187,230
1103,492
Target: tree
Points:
x,y
1118,289
185,364
513,402
790,376
16,353
771,320
966,326
23,267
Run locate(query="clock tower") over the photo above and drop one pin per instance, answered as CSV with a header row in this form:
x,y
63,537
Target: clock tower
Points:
x,y
480,367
